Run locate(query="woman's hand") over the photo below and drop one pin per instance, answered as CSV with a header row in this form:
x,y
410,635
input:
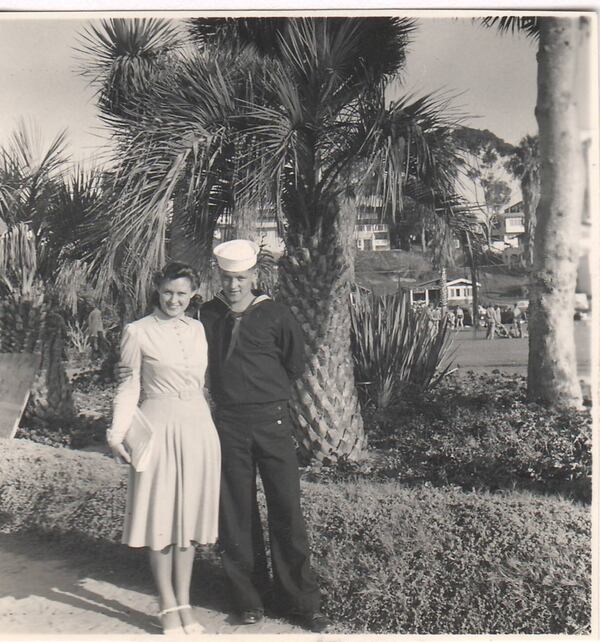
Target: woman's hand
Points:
x,y
120,453
122,373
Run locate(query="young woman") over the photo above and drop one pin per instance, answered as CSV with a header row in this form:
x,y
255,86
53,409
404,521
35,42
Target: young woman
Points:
x,y
173,502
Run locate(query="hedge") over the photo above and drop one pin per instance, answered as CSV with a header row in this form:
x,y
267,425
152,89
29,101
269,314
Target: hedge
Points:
x,y
389,558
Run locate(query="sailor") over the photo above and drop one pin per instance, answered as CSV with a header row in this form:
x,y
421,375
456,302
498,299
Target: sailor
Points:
x,y
255,351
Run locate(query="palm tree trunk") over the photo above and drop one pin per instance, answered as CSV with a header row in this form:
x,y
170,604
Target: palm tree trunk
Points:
x,y
314,280
443,291
472,259
552,369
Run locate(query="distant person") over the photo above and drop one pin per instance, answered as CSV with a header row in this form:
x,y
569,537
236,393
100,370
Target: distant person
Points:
x,y
460,318
95,329
500,327
524,323
436,317
481,311
490,321
501,331
451,319
516,322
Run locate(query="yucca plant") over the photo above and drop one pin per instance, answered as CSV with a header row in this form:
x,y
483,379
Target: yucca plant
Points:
x,y
395,348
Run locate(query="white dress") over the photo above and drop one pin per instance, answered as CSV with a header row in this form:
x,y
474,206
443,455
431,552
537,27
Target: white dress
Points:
x,y
175,499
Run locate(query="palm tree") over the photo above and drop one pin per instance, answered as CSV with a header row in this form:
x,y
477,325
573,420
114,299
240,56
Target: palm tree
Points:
x,y
45,209
552,370
287,113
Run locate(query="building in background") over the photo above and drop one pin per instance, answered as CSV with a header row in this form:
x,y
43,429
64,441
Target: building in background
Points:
x,y
369,232
268,233
460,292
508,227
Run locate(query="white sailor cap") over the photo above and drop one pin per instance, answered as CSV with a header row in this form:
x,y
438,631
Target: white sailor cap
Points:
x,y
236,256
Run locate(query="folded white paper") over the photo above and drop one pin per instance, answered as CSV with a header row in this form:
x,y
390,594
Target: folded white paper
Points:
x,y
138,440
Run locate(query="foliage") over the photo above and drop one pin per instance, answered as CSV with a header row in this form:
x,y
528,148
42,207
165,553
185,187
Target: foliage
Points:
x,y
478,432
398,560
22,310
19,276
389,559
397,350
515,24
30,175
78,337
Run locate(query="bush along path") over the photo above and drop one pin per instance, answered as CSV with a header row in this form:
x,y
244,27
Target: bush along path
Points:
x,y
61,570
391,559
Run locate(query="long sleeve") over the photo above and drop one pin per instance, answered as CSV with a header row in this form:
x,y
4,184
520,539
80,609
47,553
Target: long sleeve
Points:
x,y
291,341
128,394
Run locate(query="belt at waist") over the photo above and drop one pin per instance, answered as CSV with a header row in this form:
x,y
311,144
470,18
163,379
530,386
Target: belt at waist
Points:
x,y
185,395
253,412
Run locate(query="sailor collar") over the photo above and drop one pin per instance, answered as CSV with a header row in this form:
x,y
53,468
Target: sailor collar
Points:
x,y
259,298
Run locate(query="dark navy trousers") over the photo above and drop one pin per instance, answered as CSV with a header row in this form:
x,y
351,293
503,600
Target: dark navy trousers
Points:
x,y
258,438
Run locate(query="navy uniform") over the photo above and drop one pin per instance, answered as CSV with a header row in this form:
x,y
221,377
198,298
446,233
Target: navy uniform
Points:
x,y
253,357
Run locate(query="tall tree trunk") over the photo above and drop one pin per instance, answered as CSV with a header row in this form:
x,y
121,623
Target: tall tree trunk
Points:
x,y
530,188
443,291
472,258
314,280
552,369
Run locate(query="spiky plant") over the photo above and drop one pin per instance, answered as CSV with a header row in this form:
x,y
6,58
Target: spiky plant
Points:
x,y
29,324
396,349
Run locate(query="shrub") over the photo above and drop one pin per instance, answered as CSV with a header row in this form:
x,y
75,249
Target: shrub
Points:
x,y
433,561
389,559
396,349
479,432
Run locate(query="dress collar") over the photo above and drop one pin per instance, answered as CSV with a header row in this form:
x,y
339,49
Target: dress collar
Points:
x,y
163,319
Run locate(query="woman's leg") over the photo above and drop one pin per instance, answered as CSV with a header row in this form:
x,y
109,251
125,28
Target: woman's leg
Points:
x,y
183,561
161,563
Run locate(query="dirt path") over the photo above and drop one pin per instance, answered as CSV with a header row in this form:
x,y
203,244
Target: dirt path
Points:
x,y
47,589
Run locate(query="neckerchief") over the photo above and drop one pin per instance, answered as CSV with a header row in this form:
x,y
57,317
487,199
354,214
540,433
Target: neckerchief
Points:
x,y
237,318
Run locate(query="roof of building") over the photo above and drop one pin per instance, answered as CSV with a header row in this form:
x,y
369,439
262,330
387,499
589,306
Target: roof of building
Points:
x,y
434,284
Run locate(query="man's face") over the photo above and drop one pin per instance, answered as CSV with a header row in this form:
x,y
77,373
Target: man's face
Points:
x,y
237,286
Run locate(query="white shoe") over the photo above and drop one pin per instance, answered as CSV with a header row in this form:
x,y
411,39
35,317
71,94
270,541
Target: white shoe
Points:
x,y
194,627
176,630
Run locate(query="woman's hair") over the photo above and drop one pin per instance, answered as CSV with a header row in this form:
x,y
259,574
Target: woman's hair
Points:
x,y
170,272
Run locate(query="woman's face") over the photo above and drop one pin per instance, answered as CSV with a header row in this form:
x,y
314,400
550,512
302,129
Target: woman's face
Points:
x,y
174,296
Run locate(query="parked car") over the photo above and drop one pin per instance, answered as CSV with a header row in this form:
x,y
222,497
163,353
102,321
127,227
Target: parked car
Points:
x,y
581,302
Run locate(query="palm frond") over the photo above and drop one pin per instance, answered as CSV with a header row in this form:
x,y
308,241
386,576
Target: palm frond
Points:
x,y
30,173
18,261
411,143
122,56
529,25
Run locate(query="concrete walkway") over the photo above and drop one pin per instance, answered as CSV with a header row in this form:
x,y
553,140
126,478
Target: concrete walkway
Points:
x,y
47,589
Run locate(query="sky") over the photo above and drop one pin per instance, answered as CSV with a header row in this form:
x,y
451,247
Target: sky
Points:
x,y
493,76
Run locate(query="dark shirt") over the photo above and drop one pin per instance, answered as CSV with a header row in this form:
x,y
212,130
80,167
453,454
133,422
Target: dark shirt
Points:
x,y
266,355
